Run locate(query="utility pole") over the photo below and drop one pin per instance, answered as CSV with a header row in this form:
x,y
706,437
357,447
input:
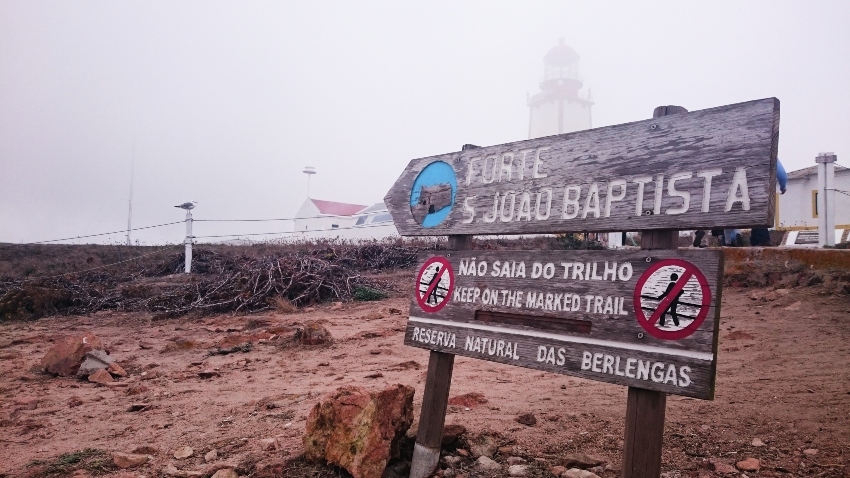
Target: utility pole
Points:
x,y
130,208
826,199
188,241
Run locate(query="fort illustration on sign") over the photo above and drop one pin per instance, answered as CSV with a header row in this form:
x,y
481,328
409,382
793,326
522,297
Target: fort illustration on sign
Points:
x,y
433,194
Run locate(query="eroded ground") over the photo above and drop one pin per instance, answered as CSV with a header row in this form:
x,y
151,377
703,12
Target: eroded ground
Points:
x,y
783,377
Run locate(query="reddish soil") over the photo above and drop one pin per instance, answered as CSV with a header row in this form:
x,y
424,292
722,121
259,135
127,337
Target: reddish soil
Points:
x,y
783,378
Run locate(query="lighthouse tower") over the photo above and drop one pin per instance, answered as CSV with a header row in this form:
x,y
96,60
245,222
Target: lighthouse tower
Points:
x,y
559,107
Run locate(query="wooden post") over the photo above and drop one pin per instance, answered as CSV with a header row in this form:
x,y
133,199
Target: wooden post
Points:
x,y
435,398
645,409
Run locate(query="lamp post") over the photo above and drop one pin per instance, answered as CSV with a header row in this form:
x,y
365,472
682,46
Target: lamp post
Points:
x,y
309,171
188,206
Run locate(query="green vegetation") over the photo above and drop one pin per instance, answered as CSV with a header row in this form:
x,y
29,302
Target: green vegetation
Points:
x,y
367,294
94,461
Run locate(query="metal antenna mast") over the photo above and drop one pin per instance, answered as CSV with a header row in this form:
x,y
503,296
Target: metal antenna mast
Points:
x,y
130,206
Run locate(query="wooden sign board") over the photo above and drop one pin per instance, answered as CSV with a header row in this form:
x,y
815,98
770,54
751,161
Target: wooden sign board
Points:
x,y
714,168
646,319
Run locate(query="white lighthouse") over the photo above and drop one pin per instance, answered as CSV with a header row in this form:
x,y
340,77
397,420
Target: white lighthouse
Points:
x,y
559,107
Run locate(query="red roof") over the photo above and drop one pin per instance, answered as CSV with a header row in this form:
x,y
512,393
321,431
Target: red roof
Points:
x,y
337,208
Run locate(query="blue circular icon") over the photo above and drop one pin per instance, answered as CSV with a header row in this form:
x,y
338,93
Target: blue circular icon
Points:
x,y
433,194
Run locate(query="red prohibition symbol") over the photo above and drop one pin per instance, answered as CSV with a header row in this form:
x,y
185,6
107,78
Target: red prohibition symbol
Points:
x,y
434,284
672,299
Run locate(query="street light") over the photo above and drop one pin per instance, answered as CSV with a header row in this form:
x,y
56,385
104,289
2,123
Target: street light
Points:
x,y
188,206
309,171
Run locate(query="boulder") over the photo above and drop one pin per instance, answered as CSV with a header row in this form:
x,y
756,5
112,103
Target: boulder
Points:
x,y
65,356
313,333
357,430
128,460
95,360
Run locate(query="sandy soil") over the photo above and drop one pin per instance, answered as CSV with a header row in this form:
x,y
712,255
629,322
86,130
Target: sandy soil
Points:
x,y
783,377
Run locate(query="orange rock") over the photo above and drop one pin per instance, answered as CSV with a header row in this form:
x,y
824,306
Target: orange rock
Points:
x,y
65,356
101,376
750,464
357,430
116,370
128,460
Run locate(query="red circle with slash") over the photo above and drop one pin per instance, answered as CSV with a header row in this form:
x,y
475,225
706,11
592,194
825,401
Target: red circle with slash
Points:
x,y
699,294
434,284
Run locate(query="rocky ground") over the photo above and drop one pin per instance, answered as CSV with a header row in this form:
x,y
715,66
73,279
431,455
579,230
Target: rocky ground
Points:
x,y
783,395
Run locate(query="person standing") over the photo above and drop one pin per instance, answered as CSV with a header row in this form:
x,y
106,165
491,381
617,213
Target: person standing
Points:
x,y
760,236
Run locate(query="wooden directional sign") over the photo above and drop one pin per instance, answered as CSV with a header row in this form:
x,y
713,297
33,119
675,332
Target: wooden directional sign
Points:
x,y
713,168
646,319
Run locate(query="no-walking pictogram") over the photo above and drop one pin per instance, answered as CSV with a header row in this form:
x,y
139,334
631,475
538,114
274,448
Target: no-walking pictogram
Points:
x,y
434,284
672,299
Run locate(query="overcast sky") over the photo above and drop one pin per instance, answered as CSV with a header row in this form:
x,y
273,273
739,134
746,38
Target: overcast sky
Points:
x,y
226,102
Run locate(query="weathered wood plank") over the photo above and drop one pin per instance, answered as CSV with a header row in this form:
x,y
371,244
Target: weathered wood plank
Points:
x,y
712,168
515,290
569,315
677,374
645,414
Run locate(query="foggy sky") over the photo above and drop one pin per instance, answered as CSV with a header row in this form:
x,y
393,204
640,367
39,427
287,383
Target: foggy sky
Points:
x,y
226,102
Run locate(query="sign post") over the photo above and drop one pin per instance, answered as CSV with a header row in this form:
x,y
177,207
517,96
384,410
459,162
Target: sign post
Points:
x,y
646,319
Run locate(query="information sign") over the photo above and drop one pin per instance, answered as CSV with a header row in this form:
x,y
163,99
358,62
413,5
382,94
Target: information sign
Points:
x,y
714,168
646,319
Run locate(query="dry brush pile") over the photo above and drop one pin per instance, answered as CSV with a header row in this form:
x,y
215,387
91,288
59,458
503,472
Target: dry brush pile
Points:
x,y
222,281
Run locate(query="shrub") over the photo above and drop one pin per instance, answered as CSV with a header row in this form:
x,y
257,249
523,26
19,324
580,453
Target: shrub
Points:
x,y
367,294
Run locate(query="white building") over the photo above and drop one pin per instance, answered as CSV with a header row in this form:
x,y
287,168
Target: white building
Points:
x,y
797,209
329,219
559,107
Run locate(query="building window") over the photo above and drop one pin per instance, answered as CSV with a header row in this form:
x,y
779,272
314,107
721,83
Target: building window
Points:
x,y
814,203
382,218
361,220
334,226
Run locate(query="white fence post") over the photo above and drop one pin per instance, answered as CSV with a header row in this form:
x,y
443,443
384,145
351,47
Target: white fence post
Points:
x,y
188,241
826,199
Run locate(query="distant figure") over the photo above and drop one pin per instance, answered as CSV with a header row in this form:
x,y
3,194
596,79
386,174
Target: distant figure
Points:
x,y
698,238
733,238
671,309
760,236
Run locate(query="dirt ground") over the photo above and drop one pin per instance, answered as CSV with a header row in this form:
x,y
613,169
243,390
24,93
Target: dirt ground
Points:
x,y
783,378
